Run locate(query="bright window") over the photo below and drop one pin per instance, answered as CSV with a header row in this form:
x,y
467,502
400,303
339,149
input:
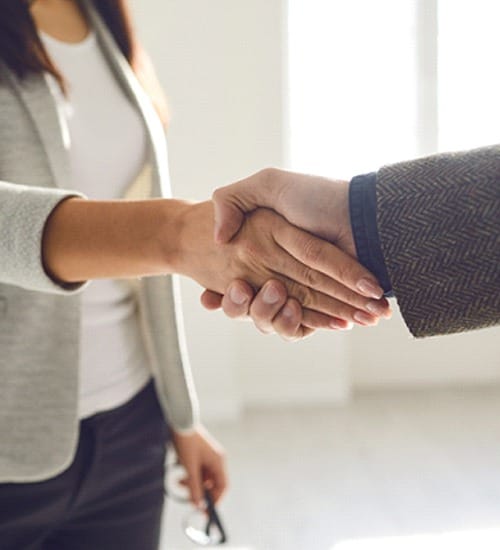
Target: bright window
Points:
x,y
469,74
377,82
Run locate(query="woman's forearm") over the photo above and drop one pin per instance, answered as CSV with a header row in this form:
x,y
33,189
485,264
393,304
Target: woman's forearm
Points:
x,y
112,239
86,239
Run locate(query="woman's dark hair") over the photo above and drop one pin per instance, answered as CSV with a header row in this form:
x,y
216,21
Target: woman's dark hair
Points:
x,y
23,52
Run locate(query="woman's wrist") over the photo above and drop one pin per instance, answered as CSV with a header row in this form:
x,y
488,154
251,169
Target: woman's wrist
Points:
x,y
193,237
174,216
112,239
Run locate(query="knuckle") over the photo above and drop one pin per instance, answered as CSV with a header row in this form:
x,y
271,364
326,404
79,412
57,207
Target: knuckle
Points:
x,y
311,277
288,337
313,250
268,174
301,293
263,329
218,194
259,317
247,250
344,272
234,312
287,332
262,218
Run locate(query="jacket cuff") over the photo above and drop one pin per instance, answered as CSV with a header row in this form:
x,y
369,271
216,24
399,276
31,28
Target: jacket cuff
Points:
x,y
363,212
22,232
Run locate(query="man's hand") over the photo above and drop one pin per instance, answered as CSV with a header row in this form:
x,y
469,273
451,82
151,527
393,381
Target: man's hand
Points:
x,y
318,205
320,276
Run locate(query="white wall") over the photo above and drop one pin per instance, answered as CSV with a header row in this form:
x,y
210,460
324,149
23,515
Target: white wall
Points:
x,y
222,63
389,357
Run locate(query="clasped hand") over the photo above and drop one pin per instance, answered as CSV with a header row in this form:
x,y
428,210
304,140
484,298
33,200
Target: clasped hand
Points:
x,y
303,281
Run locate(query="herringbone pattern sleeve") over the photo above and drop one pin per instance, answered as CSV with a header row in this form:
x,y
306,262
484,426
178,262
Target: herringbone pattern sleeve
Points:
x,y
439,225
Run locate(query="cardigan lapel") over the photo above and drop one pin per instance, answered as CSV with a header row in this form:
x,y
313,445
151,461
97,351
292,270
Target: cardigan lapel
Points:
x,y
125,75
36,94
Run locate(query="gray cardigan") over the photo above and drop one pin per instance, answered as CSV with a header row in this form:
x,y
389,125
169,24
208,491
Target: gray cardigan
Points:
x,y
39,320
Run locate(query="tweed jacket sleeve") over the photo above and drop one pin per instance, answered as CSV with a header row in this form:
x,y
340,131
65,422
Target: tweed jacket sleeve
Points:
x,y
439,225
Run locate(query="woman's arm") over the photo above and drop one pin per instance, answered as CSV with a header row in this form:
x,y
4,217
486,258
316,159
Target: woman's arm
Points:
x,y
95,239
86,239
23,216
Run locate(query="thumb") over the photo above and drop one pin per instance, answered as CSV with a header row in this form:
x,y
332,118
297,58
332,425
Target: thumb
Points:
x,y
228,216
233,201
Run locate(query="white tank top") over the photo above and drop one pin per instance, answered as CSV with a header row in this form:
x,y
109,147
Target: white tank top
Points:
x,y
107,150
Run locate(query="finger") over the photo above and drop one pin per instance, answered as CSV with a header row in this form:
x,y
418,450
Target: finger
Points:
x,y
236,300
311,253
301,283
287,322
341,315
216,480
294,323
194,483
327,259
315,320
271,312
266,304
211,300
388,309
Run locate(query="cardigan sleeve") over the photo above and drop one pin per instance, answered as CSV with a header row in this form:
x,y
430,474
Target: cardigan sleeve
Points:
x,y
439,225
24,211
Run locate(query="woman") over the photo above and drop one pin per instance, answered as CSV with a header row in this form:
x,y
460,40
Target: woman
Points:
x,y
94,377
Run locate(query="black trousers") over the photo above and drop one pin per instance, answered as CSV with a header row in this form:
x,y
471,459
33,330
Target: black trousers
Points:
x,y
110,498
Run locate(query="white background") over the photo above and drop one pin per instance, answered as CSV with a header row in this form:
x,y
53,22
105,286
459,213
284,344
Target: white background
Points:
x,y
225,67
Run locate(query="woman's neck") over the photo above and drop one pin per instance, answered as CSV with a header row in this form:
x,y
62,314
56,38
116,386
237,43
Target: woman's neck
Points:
x,y
61,19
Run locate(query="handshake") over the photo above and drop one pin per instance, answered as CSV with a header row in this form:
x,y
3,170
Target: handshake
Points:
x,y
298,253
317,253
299,269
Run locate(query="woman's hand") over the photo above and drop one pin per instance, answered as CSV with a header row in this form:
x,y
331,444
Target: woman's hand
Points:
x,y
271,310
324,280
205,464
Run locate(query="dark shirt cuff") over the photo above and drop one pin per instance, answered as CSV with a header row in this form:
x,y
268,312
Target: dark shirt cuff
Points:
x,y
363,210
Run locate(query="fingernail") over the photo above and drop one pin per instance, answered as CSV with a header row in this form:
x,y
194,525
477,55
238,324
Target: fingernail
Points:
x,y
288,312
271,295
369,288
237,296
376,308
363,318
341,325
